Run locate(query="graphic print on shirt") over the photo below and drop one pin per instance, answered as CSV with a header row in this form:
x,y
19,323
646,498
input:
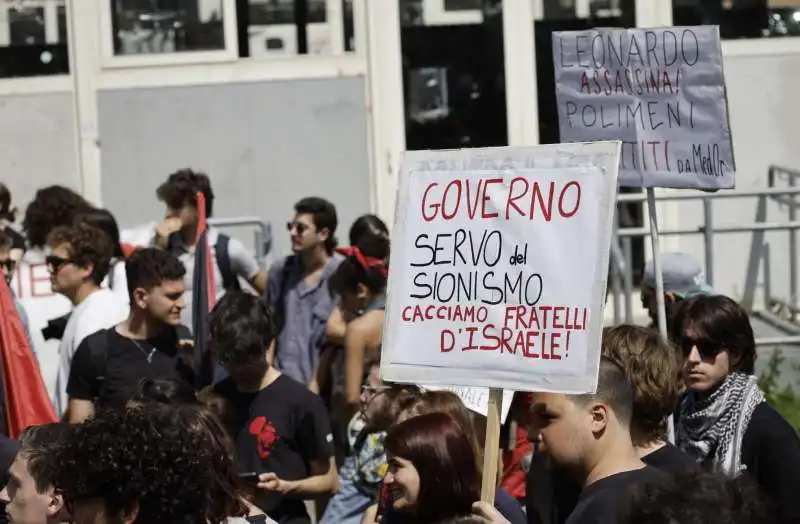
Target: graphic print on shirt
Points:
x,y
266,435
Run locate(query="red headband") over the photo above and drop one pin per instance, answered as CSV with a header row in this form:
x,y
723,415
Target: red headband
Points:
x,y
364,261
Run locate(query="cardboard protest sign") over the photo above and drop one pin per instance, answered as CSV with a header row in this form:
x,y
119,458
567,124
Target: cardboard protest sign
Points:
x,y
477,399
499,262
660,91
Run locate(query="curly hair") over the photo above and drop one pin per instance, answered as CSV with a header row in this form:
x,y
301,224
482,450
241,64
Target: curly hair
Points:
x,y
147,268
145,457
52,206
86,245
698,497
654,369
242,327
103,220
181,187
164,390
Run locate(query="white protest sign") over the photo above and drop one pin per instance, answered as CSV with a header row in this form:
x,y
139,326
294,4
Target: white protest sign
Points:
x,y
499,262
660,91
477,399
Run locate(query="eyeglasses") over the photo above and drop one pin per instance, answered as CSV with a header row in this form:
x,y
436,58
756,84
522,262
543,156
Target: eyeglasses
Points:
x,y
54,263
706,348
299,226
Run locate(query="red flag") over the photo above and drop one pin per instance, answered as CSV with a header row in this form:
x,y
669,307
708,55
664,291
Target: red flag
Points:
x,y
26,400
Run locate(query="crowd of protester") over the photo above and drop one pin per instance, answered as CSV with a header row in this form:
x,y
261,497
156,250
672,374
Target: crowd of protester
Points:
x,y
297,425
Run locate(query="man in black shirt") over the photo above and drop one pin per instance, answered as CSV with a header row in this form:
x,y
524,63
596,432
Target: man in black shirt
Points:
x,y
651,364
281,430
149,344
588,437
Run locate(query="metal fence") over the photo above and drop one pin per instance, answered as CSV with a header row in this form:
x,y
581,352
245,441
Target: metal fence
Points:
x,y
262,233
781,312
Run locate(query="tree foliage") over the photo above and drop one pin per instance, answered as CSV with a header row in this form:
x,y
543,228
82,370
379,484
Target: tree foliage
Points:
x,y
782,397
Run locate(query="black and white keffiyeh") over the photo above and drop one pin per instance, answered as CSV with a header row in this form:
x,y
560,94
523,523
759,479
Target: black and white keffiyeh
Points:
x,y
712,428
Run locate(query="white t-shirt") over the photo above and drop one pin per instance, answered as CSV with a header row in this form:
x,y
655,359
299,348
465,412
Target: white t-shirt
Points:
x,y
100,310
117,281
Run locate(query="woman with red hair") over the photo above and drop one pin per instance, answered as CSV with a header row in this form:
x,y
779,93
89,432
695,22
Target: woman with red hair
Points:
x,y
433,472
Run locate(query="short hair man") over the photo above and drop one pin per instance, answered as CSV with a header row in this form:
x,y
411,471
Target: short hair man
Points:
x,y
148,344
178,230
282,429
683,278
653,367
80,259
298,289
31,496
588,437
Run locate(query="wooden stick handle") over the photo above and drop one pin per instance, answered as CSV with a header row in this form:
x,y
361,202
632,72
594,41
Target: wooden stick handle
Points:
x,y
491,449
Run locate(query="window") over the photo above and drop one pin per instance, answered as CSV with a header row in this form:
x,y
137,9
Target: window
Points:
x,y
572,15
741,18
295,27
585,9
453,74
167,26
33,38
463,5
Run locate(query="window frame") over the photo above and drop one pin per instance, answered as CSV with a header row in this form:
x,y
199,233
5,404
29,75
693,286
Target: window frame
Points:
x,y
109,60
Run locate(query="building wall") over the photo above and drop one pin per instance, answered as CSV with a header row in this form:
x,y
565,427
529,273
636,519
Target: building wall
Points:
x,y
762,94
264,144
37,143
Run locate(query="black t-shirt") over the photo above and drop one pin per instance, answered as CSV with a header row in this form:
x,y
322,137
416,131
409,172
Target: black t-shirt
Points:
x,y
552,496
771,452
603,501
123,362
281,429
670,459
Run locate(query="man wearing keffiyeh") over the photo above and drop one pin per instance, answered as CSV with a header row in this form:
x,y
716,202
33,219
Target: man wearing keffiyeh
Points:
x,y
724,421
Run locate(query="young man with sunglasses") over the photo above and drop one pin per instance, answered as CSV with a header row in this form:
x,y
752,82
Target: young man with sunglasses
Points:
x,y
150,343
79,260
297,289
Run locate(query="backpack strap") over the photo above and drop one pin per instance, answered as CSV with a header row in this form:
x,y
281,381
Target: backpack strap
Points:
x,y
98,351
229,279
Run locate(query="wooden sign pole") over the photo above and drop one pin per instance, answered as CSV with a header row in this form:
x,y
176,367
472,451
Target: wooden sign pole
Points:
x,y
491,449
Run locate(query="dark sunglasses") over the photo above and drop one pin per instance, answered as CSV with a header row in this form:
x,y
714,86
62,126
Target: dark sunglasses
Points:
x,y
55,263
708,349
300,227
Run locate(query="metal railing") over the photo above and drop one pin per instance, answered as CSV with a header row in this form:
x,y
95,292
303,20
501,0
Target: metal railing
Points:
x,y
262,235
781,313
